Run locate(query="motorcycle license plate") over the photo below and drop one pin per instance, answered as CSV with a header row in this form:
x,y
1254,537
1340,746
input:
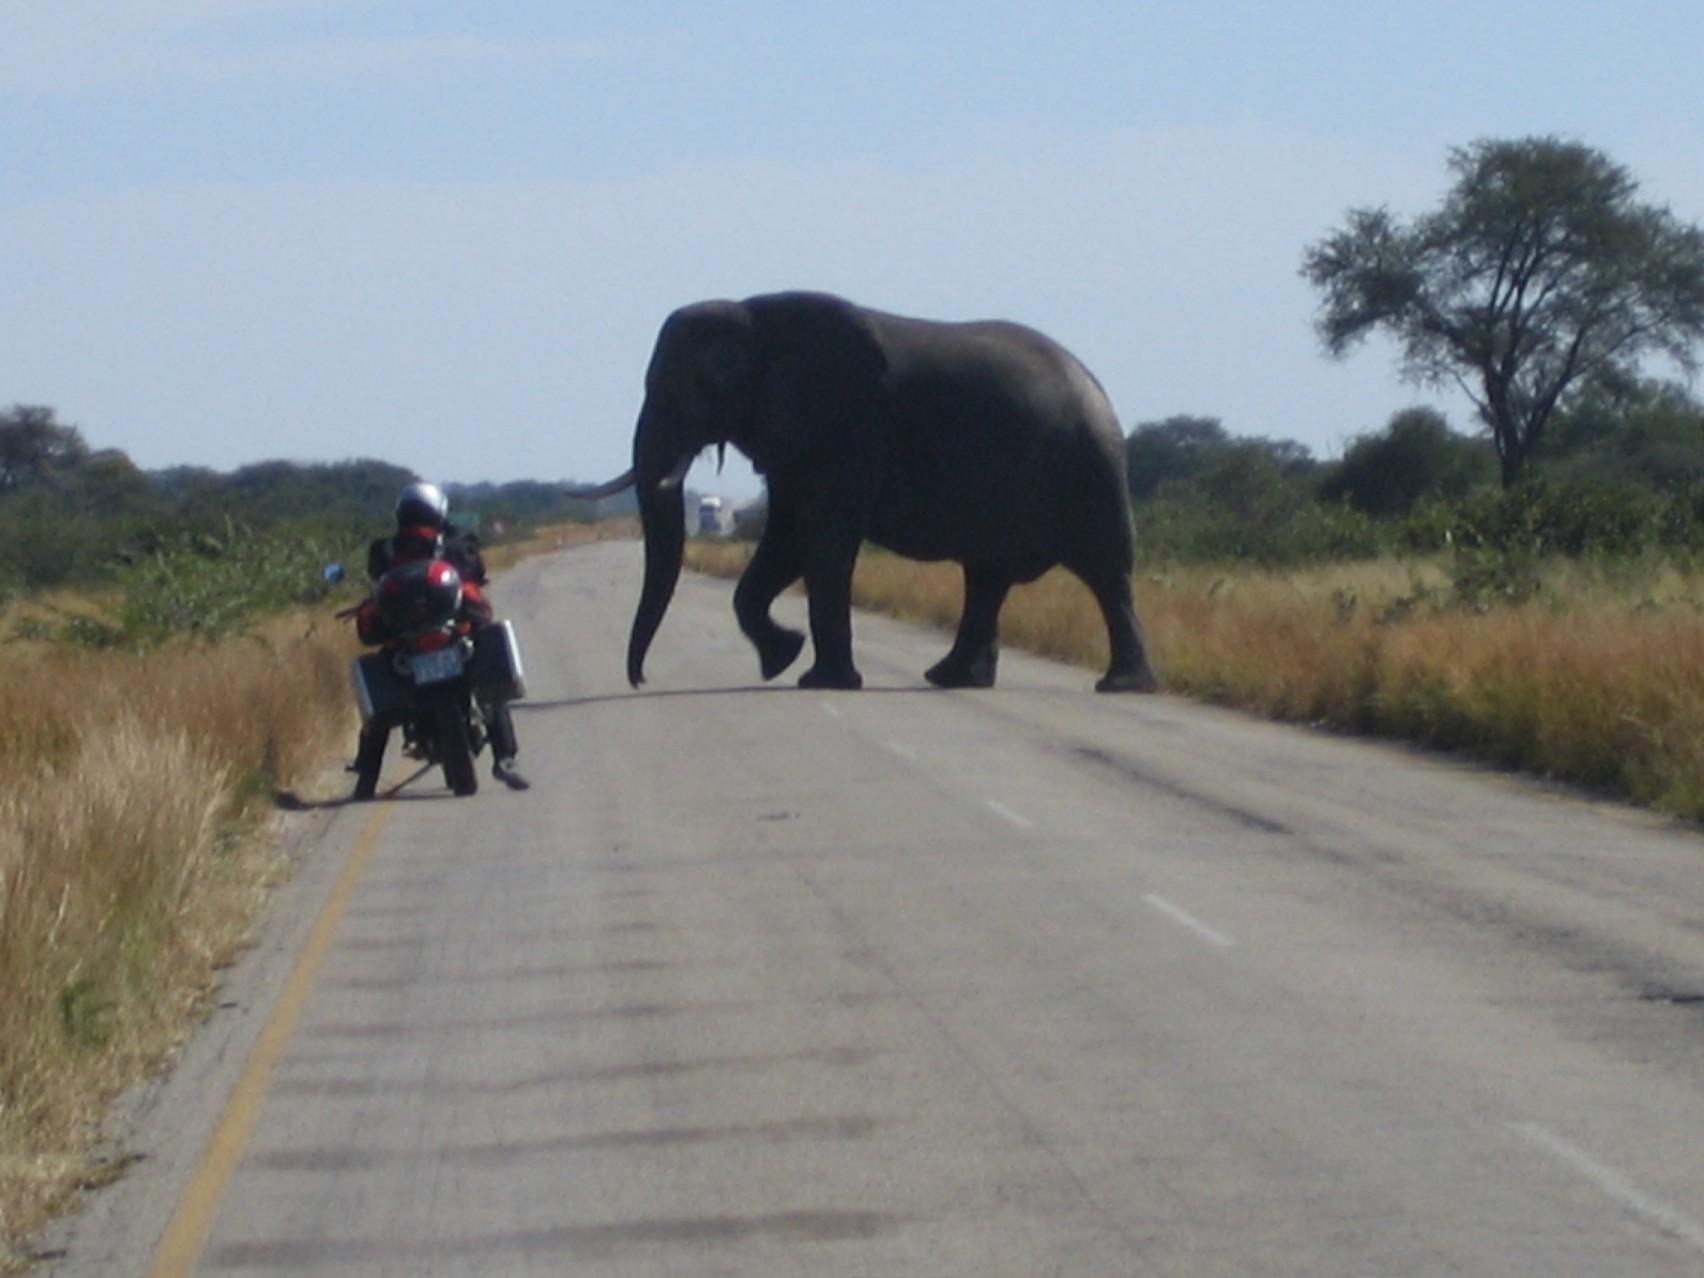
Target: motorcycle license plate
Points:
x,y
435,667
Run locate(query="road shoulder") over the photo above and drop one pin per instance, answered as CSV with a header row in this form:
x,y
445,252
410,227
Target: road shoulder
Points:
x,y
159,1132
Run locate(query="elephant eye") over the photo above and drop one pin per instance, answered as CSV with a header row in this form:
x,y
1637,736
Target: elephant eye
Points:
x,y
709,384
722,370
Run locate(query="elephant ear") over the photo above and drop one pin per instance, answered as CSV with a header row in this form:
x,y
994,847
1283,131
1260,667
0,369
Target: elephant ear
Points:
x,y
821,371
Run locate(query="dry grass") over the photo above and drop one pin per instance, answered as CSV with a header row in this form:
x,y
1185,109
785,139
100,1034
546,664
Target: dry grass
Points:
x,y
1599,682
128,783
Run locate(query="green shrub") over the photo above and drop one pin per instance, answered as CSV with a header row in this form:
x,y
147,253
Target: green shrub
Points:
x,y
1188,530
198,585
1575,518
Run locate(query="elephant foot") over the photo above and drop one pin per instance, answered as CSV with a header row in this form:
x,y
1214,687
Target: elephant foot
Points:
x,y
847,680
781,653
1143,680
951,674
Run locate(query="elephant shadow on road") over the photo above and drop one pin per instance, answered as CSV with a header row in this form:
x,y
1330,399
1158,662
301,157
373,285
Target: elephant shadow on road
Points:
x,y
766,689
290,801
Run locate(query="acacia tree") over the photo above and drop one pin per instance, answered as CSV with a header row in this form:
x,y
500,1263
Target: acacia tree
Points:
x,y
1540,273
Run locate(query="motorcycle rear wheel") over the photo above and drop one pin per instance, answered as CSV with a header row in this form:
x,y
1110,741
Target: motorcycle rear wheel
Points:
x,y
455,749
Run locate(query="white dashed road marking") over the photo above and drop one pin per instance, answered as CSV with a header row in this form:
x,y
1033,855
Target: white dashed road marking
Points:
x,y
1669,1219
1184,918
1017,819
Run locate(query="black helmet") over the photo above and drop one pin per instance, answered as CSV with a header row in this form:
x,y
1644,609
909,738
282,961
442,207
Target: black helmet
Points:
x,y
421,503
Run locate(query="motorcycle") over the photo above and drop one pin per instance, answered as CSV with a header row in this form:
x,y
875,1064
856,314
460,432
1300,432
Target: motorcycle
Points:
x,y
436,674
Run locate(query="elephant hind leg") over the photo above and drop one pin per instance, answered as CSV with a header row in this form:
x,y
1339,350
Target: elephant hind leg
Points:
x,y
1129,670
975,655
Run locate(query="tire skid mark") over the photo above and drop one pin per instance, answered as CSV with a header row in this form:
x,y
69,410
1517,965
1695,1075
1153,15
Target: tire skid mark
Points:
x,y
593,1241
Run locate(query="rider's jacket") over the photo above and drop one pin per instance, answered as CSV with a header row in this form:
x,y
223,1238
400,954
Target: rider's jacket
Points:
x,y
459,545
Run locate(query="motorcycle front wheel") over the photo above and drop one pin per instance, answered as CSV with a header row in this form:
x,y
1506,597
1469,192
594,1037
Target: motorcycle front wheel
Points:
x,y
455,749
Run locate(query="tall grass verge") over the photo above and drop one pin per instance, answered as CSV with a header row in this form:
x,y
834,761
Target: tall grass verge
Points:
x,y
129,784
1588,675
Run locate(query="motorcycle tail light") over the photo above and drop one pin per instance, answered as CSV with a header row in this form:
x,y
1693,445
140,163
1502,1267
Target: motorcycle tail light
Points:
x,y
433,640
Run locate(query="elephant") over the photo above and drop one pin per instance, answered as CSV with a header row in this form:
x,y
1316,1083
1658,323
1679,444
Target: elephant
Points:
x,y
985,443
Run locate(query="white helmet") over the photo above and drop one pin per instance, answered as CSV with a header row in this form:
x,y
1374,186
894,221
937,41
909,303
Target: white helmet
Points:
x,y
422,503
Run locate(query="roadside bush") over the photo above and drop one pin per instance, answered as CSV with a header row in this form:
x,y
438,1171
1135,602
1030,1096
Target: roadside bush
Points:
x,y
1180,529
1415,458
1323,533
200,585
1544,517
1485,577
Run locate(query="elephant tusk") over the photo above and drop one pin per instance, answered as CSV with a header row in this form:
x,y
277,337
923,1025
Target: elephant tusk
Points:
x,y
673,479
619,484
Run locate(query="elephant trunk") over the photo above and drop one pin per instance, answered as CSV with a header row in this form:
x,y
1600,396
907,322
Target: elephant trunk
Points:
x,y
662,512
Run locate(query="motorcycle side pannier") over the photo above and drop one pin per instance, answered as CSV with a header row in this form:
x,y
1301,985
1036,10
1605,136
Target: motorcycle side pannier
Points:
x,y
379,689
497,672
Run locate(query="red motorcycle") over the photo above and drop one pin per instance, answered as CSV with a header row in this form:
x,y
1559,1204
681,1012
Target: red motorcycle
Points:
x,y
442,672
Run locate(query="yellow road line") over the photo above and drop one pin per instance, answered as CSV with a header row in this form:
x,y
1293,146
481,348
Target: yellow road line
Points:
x,y
181,1245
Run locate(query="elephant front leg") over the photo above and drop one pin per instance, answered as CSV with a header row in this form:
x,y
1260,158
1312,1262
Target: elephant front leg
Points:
x,y
774,566
829,580
975,655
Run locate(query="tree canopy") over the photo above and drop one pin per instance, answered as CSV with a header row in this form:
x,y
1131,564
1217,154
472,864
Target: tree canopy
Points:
x,y
34,446
1539,274
1178,448
72,514
1417,456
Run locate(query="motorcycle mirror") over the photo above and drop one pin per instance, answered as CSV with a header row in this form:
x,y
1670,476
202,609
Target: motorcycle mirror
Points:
x,y
333,573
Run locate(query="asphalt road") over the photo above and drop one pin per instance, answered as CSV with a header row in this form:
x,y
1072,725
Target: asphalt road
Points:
x,y
759,981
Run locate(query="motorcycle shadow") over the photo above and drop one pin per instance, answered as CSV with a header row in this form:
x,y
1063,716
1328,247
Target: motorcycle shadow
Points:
x,y
290,801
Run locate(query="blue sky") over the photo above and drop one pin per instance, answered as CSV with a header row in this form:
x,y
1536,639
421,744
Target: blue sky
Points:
x,y
445,235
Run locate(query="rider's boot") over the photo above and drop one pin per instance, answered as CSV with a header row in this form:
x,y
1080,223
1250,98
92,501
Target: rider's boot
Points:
x,y
368,760
506,772
501,725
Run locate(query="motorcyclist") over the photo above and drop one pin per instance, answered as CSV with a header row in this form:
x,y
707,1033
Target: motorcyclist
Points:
x,y
424,531
423,505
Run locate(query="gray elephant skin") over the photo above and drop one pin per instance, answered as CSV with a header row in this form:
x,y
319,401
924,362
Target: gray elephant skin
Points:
x,y
985,443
